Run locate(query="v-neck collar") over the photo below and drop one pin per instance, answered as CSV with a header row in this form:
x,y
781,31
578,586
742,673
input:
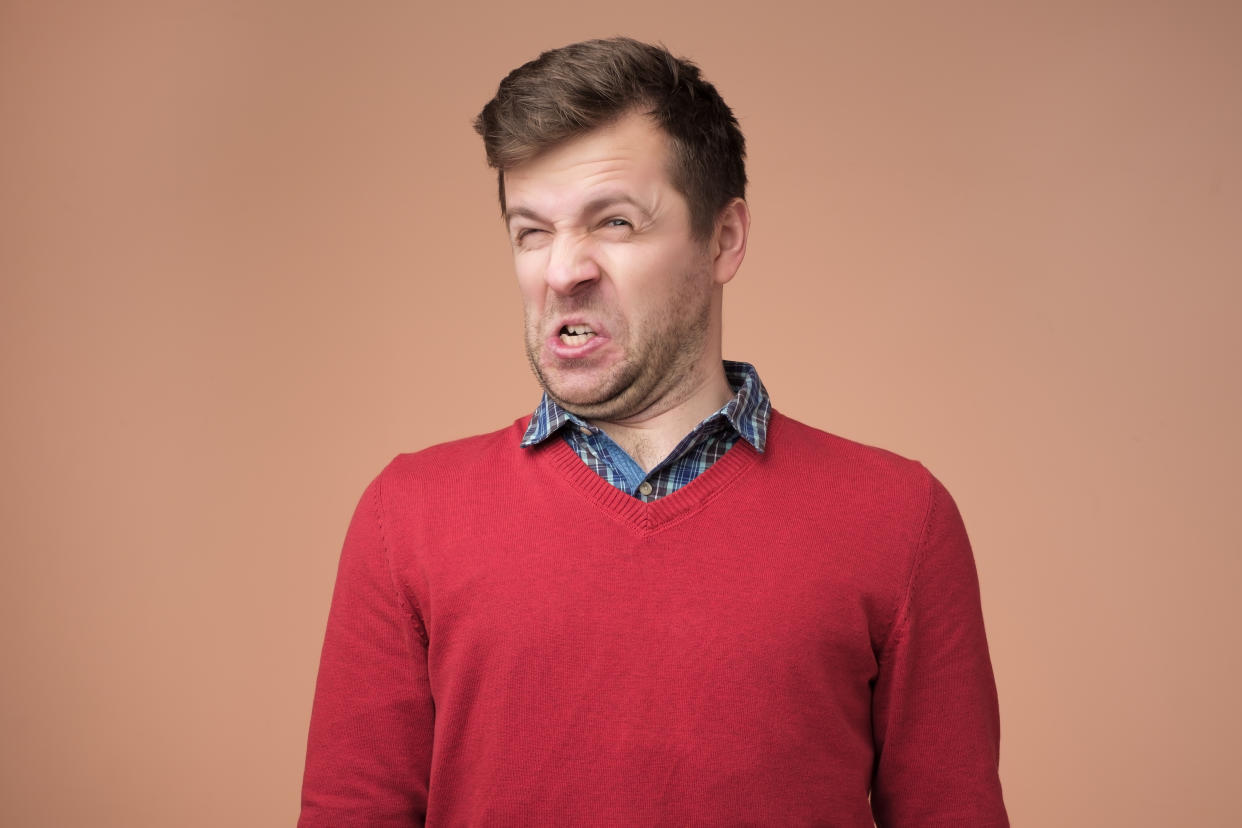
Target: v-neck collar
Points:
x,y
647,518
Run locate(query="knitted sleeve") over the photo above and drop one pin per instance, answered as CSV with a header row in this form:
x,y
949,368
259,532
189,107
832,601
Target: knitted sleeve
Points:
x,y
935,714
369,750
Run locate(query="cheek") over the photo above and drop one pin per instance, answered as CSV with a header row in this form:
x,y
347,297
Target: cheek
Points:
x,y
530,280
637,267
649,276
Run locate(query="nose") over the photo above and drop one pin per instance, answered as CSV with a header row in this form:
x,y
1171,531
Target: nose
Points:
x,y
572,265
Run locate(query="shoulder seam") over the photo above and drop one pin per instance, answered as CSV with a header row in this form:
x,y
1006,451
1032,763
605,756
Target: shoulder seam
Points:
x,y
403,598
901,615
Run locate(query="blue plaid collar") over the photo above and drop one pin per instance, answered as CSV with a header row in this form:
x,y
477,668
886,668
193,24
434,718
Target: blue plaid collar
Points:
x,y
747,411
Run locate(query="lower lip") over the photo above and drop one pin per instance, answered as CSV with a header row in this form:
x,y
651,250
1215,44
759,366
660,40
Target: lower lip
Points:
x,y
559,349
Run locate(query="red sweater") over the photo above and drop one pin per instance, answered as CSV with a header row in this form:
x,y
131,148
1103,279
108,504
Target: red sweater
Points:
x,y
512,641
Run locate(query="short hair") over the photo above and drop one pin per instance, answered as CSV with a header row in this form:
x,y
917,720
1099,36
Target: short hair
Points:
x,y
572,90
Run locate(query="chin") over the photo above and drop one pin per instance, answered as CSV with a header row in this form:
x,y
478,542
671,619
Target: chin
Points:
x,y
597,393
586,399
576,398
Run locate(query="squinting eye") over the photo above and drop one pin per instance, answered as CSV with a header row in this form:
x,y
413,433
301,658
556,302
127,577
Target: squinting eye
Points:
x,y
617,222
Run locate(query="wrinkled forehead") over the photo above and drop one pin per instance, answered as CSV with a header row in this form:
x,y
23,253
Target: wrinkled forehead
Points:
x,y
629,156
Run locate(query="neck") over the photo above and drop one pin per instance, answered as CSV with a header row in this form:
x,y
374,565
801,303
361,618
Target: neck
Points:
x,y
651,435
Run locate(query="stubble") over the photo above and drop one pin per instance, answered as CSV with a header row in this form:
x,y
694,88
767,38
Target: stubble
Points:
x,y
657,371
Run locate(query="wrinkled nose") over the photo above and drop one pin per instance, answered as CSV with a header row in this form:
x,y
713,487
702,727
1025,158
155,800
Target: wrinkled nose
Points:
x,y
572,265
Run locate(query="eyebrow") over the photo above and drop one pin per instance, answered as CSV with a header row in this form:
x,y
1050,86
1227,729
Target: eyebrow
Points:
x,y
595,205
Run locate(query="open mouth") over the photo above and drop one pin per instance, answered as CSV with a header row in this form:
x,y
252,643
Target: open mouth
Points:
x,y
576,334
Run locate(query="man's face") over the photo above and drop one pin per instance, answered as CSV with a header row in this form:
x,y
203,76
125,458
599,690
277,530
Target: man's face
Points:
x,y
618,295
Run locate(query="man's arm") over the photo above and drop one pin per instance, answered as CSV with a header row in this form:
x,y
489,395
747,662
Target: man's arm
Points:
x,y
369,751
935,714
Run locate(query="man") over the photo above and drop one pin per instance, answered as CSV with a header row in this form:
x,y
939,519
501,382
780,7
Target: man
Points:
x,y
655,601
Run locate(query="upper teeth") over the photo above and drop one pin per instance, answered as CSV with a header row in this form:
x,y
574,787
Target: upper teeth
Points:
x,y
575,330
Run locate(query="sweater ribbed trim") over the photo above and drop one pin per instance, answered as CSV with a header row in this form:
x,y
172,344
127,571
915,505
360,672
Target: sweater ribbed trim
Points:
x,y
646,518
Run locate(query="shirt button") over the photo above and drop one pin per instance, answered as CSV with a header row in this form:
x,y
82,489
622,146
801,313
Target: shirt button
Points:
x,y
644,488
584,430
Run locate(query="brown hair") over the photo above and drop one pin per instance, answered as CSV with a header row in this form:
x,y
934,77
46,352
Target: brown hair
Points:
x,y
569,91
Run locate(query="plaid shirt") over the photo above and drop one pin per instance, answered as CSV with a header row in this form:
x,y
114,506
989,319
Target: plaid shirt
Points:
x,y
745,417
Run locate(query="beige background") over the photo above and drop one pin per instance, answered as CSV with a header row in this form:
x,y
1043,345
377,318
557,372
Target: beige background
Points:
x,y
248,247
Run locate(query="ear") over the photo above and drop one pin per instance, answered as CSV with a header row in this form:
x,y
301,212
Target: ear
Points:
x,y
729,240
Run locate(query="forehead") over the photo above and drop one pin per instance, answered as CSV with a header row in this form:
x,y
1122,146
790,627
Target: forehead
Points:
x,y
630,154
